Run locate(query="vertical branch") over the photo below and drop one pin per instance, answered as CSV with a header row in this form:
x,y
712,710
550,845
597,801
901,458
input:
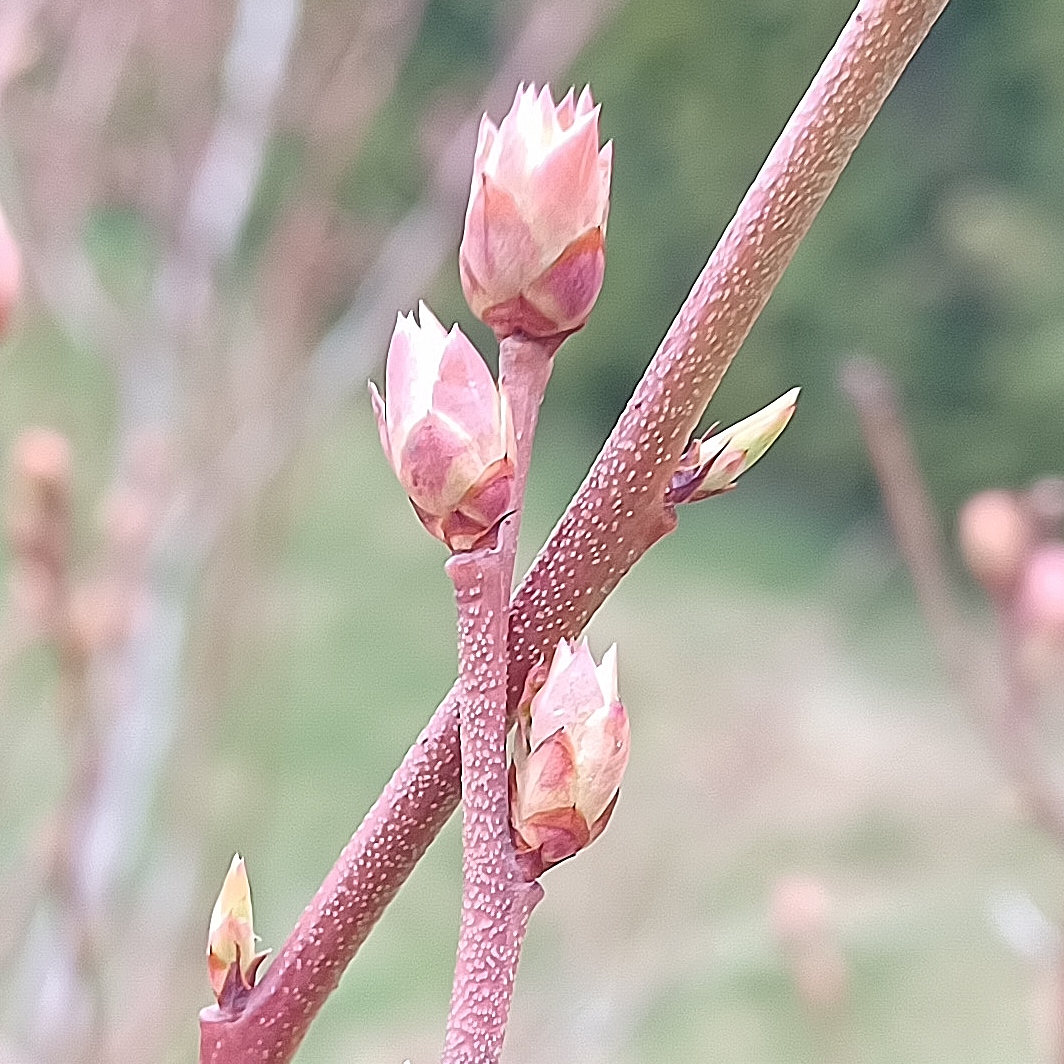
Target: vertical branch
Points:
x,y
496,901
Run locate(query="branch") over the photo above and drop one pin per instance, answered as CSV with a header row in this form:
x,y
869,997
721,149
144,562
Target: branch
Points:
x,y
616,515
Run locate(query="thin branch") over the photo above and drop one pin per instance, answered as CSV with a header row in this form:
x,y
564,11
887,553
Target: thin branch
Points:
x,y
912,519
616,515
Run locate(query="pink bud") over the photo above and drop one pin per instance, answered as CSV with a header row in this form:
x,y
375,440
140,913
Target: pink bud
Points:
x,y
995,537
231,958
570,753
447,432
533,253
1041,594
10,273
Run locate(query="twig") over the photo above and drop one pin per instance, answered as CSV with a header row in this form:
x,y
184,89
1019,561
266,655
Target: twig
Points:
x,y
616,515
496,901
1007,715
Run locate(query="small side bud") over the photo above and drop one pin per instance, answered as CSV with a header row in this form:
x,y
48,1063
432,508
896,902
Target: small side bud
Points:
x,y
533,252
570,753
995,537
232,962
446,429
711,465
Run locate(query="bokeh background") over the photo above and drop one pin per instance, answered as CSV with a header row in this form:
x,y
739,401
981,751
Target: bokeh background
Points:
x,y
221,206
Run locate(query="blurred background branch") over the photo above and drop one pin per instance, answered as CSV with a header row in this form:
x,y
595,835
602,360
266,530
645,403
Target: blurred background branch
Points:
x,y
220,208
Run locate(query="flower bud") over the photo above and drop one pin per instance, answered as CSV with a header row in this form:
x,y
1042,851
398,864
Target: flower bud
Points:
x,y
995,537
533,253
1041,591
447,431
711,465
570,753
231,958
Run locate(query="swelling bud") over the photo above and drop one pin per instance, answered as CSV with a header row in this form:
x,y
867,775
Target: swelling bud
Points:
x,y
10,274
446,429
995,538
533,254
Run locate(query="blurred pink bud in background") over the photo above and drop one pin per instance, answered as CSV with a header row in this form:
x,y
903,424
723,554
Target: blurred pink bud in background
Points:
x,y
1041,594
533,254
711,465
995,537
10,274
445,427
800,913
570,753
40,519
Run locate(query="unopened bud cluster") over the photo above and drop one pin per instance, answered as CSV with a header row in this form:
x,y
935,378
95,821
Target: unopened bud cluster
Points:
x,y
533,252
531,261
570,753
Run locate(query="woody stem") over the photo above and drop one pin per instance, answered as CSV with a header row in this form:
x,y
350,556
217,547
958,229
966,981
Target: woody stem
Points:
x,y
496,900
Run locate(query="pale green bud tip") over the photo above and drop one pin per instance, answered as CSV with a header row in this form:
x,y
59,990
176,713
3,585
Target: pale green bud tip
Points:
x,y
711,465
231,958
447,430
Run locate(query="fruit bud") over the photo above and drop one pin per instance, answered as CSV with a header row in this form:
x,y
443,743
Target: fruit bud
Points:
x,y
570,753
533,253
711,465
446,429
1041,591
995,537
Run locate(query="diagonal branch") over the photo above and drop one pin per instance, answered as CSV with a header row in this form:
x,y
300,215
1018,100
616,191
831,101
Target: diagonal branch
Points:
x,y
616,515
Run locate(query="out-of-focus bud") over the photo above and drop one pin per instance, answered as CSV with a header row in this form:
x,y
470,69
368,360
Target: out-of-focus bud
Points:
x,y
40,520
800,914
1041,592
10,274
570,753
447,431
533,253
711,465
995,537
231,958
